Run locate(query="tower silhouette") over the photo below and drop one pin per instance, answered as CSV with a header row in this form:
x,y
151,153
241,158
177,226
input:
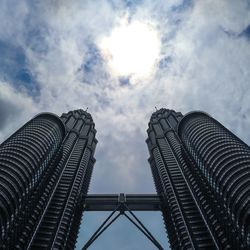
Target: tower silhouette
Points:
x,y
201,172
46,168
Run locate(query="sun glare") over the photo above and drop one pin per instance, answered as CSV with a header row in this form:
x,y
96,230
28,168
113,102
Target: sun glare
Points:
x,y
131,49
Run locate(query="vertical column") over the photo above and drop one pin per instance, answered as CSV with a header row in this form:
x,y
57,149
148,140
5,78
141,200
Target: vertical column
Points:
x,y
24,159
224,160
181,213
60,222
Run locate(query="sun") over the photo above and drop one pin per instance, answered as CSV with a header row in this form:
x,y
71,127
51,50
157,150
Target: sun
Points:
x,y
131,49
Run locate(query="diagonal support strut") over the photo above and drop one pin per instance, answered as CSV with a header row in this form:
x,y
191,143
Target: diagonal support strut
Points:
x,y
122,208
142,228
102,228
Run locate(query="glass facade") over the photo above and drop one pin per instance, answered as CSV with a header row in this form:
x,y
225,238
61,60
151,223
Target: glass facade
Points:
x,y
224,161
46,168
202,172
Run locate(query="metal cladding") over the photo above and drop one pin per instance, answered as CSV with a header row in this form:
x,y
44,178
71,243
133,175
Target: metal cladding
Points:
x,y
185,225
24,158
224,161
46,168
202,172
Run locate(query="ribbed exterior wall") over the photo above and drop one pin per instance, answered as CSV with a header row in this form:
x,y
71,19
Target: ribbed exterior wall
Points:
x,y
213,214
224,161
60,221
183,219
24,158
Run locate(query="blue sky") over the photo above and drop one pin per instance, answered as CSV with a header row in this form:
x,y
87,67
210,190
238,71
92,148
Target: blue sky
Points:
x,y
51,59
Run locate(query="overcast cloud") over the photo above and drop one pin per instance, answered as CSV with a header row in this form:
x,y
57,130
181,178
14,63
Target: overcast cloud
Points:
x,y
51,61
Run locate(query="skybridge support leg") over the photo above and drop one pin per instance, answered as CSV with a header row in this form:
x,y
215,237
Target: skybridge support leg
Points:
x,y
140,203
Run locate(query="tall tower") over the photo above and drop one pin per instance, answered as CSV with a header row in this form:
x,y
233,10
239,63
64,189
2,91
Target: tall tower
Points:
x,y
46,168
223,162
202,172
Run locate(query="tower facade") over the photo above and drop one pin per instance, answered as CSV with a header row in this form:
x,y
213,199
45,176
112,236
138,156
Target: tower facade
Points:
x,y
224,162
46,168
202,172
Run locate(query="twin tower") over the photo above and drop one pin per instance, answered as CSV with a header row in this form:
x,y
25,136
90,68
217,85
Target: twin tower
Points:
x,y
201,172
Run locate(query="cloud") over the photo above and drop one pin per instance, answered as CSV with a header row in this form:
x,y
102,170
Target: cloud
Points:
x,y
14,69
211,67
246,32
15,109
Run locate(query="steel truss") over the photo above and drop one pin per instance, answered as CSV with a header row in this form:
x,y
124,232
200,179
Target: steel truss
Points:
x,y
119,205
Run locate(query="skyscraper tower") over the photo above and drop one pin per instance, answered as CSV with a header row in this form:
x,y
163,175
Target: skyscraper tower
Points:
x,y
202,172
223,161
46,168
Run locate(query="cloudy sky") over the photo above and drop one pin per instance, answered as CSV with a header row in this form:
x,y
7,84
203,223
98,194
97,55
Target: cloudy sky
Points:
x,y
121,59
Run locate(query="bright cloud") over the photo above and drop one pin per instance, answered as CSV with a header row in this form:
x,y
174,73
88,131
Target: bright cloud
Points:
x,y
132,48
